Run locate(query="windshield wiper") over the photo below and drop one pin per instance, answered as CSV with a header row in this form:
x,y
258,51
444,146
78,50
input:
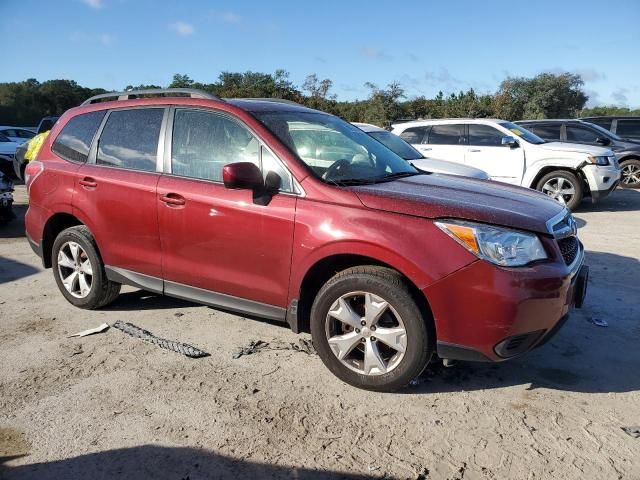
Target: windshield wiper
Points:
x,y
396,175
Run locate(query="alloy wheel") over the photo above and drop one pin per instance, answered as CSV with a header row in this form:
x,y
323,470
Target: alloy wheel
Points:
x,y
366,333
560,189
75,269
631,174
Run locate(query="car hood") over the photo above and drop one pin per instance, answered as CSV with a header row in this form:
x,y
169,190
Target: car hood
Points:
x,y
443,196
450,168
576,148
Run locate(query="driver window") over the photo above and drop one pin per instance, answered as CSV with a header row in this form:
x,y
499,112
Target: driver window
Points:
x,y
204,142
484,136
581,135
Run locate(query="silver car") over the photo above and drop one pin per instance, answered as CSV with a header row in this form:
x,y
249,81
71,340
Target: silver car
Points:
x,y
413,156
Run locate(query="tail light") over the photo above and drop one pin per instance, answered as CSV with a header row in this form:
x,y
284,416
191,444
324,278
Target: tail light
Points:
x,y
31,172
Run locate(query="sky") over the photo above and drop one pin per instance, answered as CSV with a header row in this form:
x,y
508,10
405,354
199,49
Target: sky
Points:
x,y
425,45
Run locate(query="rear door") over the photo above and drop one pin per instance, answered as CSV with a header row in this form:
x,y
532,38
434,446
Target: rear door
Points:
x,y
115,192
447,142
485,151
216,239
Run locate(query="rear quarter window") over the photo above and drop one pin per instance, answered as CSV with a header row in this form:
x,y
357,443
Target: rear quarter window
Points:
x,y
74,141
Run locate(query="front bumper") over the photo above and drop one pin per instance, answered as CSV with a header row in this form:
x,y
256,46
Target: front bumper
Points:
x,y
488,313
601,180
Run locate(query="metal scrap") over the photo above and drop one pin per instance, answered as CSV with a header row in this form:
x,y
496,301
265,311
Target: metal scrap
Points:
x,y
255,346
633,431
145,335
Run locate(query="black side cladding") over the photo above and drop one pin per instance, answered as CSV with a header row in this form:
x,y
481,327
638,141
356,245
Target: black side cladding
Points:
x,y
183,348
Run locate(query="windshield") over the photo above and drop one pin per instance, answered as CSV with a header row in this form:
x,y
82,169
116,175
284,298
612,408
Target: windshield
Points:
x,y
523,133
336,151
397,145
604,132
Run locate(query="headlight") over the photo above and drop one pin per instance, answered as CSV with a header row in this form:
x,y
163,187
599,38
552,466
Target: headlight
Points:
x,y
501,246
602,160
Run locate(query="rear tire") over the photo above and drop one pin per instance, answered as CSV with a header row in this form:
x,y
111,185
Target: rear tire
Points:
x,y
369,331
79,271
630,173
563,186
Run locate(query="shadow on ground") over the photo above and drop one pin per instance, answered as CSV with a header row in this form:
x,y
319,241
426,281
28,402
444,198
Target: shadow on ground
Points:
x,y
11,270
156,462
15,228
621,200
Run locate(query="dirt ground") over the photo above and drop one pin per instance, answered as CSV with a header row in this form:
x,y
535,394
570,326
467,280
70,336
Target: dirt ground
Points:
x,y
111,406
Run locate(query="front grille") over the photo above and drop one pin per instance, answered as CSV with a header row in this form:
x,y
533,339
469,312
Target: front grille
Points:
x,y
569,248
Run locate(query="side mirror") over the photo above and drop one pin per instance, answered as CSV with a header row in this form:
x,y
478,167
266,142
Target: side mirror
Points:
x,y
509,141
603,141
272,183
243,175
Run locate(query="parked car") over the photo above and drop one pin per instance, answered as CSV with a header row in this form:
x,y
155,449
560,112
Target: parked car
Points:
x,y
580,131
7,152
46,124
511,154
627,128
413,156
16,134
230,203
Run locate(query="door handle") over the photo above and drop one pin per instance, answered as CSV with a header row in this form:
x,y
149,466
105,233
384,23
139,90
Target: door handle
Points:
x,y
474,150
172,199
426,149
88,182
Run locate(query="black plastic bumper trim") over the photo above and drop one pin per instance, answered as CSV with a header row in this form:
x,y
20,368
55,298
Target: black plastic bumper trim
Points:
x,y
452,351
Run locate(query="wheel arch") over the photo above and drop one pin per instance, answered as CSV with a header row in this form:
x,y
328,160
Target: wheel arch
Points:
x,y
325,268
553,168
55,224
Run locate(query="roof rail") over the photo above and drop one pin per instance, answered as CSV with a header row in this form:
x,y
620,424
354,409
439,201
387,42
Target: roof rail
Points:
x,y
161,92
276,100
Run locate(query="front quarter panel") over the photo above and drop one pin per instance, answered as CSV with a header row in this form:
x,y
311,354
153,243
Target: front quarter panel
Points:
x,y
412,245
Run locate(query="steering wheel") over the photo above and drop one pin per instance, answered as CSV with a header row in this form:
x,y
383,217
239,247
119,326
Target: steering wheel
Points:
x,y
337,169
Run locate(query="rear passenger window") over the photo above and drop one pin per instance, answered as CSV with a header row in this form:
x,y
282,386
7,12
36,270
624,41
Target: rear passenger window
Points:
x,y
414,135
74,140
484,135
628,128
130,139
447,135
546,132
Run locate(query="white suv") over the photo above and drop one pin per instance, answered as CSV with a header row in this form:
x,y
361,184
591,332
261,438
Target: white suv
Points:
x,y
509,153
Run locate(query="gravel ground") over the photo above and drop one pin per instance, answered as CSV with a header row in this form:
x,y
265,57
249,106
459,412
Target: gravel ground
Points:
x,y
111,406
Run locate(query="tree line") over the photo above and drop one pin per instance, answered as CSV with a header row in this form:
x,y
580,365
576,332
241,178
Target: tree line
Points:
x,y
547,95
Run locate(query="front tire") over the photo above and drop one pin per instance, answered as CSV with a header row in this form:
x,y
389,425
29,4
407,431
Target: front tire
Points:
x,y
369,331
563,186
630,173
79,271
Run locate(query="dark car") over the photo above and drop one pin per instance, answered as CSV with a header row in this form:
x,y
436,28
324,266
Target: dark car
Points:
x,y
580,131
625,127
224,202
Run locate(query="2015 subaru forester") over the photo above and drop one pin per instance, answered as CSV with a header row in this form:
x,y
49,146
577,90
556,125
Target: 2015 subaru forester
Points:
x,y
273,209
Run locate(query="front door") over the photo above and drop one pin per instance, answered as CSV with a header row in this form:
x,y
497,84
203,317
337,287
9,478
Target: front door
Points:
x,y
218,240
503,163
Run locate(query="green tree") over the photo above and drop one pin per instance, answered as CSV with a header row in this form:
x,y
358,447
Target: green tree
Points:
x,y
383,105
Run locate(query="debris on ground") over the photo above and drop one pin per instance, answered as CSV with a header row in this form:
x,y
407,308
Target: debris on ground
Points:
x,y
303,346
183,348
99,329
599,322
633,431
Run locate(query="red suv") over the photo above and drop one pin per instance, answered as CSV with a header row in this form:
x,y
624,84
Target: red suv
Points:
x,y
269,208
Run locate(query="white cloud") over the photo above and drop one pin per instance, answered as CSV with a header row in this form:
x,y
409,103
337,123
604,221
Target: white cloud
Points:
x,y
228,17
373,53
182,28
94,3
106,39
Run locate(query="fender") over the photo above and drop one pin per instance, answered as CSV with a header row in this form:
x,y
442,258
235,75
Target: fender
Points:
x,y
534,169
